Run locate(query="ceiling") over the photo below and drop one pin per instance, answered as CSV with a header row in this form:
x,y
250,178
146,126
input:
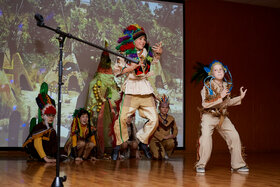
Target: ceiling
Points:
x,y
267,3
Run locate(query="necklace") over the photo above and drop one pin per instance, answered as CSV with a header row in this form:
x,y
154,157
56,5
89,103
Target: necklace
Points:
x,y
139,53
164,120
220,84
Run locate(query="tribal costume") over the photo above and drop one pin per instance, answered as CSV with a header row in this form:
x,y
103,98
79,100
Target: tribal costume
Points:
x,y
138,92
41,141
82,140
214,115
160,147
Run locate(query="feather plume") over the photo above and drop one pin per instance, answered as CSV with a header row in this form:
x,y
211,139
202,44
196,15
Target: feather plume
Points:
x,y
200,74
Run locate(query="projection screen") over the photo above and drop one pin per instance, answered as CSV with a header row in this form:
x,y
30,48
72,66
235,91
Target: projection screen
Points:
x,y
29,56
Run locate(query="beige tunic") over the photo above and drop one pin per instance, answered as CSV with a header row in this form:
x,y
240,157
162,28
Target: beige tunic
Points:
x,y
166,129
134,84
216,101
160,146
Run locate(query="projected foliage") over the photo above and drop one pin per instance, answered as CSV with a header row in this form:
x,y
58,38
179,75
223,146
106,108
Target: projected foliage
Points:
x,y
29,54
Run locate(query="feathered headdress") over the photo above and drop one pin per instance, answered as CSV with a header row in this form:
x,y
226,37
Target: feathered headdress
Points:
x,y
76,124
45,103
204,72
105,62
164,101
127,45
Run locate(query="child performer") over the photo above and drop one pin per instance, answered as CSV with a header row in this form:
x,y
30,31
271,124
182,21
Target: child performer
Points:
x,y
164,141
41,142
138,92
82,140
215,100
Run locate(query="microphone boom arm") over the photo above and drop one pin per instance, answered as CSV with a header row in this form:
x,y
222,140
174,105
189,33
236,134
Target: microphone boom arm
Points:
x,y
40,23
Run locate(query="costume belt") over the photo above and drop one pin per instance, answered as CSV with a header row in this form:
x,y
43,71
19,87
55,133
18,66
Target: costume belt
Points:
x,y
141,77
215,112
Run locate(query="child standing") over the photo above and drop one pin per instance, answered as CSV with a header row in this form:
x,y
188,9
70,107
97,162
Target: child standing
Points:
x,y
215,100
138,92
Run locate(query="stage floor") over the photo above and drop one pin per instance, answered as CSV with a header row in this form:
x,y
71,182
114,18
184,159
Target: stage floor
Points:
x,y
178,171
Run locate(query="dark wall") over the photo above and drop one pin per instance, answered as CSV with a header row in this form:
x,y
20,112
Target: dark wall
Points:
x,y
246,38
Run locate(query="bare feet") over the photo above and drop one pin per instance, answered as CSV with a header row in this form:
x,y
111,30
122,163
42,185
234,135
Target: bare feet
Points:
x,y
49,160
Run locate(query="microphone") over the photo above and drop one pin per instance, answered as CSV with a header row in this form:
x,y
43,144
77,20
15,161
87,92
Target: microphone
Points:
x,y
40,20
132,60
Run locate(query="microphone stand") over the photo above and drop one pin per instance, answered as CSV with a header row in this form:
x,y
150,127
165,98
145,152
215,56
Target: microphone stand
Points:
x,y
58,181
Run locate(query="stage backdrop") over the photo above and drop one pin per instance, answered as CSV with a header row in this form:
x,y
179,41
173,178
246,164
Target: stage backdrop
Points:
x,y
29,55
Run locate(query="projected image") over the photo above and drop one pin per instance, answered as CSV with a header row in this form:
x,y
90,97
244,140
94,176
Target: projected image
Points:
x,y
29,56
